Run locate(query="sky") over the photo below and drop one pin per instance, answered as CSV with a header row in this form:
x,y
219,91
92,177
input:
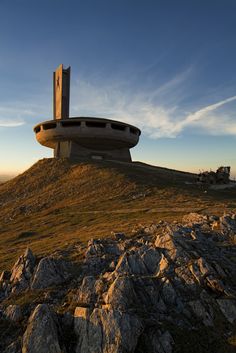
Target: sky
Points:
x,y
165,66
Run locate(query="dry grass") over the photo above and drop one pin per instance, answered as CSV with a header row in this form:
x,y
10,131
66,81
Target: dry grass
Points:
x,y
56,203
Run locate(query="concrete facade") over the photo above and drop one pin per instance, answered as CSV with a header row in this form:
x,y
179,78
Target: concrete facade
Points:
x,y
61,93
83,137
88,138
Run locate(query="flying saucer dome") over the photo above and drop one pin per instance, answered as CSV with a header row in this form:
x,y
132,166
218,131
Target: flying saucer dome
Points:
x,y
83,137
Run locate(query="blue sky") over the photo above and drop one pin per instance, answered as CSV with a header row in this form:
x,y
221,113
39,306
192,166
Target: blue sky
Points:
x,y
167,66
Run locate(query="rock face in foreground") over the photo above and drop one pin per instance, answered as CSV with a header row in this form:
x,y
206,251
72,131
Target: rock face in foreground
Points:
x,y
41,334
168,288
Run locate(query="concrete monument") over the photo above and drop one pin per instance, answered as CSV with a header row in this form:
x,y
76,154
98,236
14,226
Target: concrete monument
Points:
x,y
83,137
61,93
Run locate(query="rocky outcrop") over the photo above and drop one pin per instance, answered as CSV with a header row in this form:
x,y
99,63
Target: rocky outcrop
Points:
x,y
156,292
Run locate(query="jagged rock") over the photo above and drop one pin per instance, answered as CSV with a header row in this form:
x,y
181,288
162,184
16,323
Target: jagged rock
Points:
x,y
152,229
166,341
171,240
22,271
68,319
13,313
50,272
194,218
5,276
155,341
151,258
14,347
98,248
163,265
228,223
121,294
130,263
139,261
118,236
201,312
86,293
41,335
168,292
228,308
133,295
108,331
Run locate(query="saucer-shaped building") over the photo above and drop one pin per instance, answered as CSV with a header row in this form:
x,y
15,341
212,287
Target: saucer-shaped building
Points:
x,y
88,138
83,137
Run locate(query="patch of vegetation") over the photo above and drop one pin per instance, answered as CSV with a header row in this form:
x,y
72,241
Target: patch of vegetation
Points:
x,y
25,298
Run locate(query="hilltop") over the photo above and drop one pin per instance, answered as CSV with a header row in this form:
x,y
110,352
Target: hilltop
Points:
x,y
56,203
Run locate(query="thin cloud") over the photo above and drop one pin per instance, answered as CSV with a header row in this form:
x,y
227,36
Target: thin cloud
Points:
x,y
21,113
8,123
153,111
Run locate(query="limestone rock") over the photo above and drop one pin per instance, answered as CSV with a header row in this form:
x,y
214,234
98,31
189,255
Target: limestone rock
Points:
x,y
201,312
14,347
168,292
228,308
121,294
13,313
155,341
194,218
106,331
22,271
50,272
41,335
86,293
150,293
228,223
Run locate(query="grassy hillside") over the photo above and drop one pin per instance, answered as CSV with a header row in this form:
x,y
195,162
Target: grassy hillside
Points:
x,y
56,203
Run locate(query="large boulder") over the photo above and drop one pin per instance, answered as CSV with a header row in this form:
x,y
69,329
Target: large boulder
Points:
x,y
22,271
121,294
50,272
106,331
41,335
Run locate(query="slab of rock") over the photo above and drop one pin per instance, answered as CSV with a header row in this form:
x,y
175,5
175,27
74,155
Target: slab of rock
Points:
x,y
201,312
228,308
86,292
22,271
228,223
50,272
139,261
106,331
41,335
121,294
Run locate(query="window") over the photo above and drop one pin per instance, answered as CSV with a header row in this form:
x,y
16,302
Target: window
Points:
x,y
95,124
49,126
118,127
37,129
70,123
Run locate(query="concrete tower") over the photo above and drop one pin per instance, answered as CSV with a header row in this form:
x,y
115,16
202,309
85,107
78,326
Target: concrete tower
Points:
x,y
83,137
